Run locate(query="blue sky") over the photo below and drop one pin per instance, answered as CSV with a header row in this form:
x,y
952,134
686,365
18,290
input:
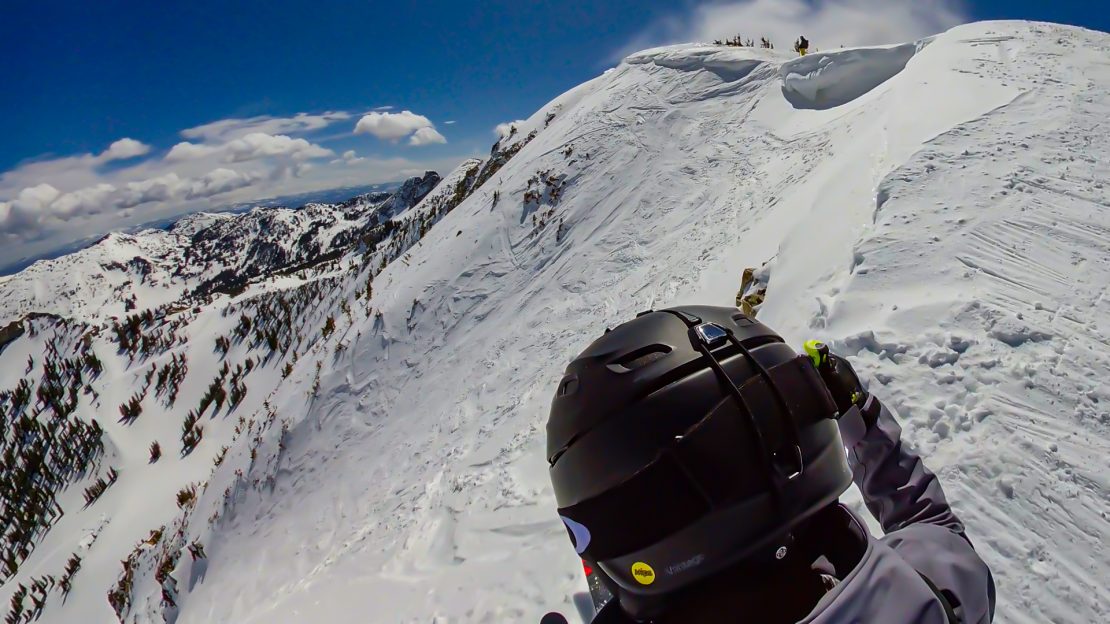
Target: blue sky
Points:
x,y
266,96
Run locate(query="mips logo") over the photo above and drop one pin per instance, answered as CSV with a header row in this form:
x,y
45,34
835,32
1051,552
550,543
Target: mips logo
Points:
x,y
643,573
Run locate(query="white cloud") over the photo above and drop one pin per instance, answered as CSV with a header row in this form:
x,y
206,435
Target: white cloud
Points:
x,y
426,136
191,151
35,197
81,202
826,23
24,212
503,130
123,149
160,188
450,123
219,181
289,170
172,187
48,203
396,126
349,158
253,146
38,206
260,145
228,129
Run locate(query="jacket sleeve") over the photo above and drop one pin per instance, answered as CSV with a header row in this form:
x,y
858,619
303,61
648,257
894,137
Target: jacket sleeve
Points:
x,y
907,500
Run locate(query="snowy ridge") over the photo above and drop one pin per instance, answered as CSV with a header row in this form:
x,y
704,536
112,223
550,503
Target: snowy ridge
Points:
x,y
939,216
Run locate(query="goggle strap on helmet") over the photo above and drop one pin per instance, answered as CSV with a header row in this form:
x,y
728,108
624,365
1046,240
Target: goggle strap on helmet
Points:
x,y
783,461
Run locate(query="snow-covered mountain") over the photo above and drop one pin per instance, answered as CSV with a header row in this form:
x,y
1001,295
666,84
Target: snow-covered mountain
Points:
x,y
199,255
364,442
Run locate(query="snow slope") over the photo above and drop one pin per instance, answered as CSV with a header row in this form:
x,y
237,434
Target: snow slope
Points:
x,y
188,382
937,211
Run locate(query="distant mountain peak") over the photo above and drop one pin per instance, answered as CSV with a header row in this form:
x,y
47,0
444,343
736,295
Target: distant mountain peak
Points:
x,y
199,254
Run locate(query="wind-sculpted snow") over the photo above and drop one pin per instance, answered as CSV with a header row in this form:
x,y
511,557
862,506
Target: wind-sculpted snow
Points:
x,y
829,79
727,64
951,241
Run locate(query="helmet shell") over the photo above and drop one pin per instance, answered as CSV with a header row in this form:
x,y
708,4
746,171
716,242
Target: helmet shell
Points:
x,y
655,464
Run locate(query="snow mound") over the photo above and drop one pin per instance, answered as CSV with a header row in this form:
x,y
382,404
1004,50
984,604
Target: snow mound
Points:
x,y
826,80
728,64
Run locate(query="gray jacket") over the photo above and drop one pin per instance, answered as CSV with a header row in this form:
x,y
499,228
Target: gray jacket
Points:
x,y
924,538
924,542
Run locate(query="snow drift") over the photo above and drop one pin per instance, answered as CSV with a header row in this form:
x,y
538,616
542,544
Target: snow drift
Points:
x,y
829,79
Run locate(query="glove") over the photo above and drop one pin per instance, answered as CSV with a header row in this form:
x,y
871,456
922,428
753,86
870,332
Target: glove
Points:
x,y
847,392
839,377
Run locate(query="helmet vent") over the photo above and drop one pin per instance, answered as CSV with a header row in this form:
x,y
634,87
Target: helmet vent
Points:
x,y
569,386
742,320
639,358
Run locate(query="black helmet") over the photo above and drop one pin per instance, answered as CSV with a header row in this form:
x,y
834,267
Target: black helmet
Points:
x,y
687,441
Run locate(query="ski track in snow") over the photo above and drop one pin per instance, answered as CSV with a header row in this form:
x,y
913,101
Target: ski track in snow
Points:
x,y
947,228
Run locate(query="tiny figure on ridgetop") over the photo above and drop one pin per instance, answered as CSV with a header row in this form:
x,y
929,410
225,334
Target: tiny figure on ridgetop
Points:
x,y
801,46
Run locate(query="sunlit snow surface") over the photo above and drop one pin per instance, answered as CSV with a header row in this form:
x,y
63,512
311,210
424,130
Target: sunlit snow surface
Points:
x,y
936,211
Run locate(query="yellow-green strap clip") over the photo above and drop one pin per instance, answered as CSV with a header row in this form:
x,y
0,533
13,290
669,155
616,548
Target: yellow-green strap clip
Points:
x,y
817,351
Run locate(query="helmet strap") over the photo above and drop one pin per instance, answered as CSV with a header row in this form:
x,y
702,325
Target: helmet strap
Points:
x,y
783,461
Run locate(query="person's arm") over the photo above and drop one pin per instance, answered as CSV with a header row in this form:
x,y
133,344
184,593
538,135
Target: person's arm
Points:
x,y
907,500
897,487
905,496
